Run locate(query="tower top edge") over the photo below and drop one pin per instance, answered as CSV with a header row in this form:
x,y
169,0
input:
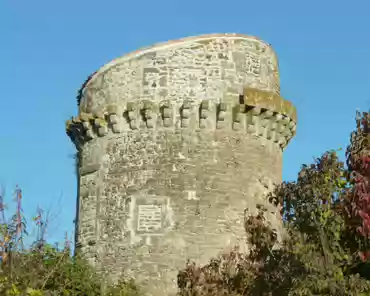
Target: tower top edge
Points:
x,y
171,44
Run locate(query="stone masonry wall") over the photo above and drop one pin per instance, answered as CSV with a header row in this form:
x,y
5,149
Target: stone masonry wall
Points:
x,y
215,68
176,142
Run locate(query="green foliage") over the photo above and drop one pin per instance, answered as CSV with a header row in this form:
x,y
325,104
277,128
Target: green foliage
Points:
x,y
45,270
326,215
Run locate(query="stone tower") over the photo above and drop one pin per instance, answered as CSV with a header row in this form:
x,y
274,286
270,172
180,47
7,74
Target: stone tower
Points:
x,y
175,142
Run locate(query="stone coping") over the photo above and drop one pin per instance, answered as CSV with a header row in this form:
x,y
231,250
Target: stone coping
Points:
x,y
270,101
171,44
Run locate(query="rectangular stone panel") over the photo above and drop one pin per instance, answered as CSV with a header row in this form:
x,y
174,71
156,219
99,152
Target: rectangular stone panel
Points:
x,y
149,218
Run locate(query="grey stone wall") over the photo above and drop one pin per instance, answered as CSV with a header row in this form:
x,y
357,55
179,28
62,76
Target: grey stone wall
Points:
x,y
208,67
172,153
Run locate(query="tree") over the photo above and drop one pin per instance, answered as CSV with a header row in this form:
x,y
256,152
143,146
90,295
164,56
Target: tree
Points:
x,y
325,249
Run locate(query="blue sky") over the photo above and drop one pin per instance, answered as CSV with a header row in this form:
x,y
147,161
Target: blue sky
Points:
x,y
48,48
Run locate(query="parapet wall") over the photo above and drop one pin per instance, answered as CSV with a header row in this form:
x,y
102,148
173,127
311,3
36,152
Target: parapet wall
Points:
x,y
176,142
211,67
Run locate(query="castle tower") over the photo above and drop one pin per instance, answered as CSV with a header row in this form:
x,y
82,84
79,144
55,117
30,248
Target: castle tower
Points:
x,y
175,142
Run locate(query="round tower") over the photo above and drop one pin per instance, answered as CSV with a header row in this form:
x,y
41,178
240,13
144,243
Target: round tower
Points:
x,y
175,141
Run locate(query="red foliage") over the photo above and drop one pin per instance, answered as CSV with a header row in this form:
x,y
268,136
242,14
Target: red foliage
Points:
x,y
358,197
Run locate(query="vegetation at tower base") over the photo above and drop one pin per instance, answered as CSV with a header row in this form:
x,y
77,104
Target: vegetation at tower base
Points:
x,y
325,250
43,269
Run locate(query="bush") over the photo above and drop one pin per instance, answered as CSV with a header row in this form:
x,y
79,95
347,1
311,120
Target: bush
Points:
x,y
46,270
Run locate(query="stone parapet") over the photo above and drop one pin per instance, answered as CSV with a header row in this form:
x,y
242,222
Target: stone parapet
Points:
x,y
210,67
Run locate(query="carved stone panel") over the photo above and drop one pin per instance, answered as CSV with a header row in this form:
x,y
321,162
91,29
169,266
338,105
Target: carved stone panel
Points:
x,y
150,216
149,219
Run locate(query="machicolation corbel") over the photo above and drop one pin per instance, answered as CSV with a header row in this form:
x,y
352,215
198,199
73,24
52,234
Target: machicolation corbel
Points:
x,y
204,113
101,126
132,115
221,115
113,118
166,110
239,116
149,113
185,112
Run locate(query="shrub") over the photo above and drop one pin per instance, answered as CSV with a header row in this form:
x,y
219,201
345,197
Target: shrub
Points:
x,y
43,269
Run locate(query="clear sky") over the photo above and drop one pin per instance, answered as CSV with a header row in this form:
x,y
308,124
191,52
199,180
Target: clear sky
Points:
x,y
48,48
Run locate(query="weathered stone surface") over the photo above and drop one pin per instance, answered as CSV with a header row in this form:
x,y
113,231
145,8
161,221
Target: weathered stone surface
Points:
x,y
173,152
269,101
195,69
